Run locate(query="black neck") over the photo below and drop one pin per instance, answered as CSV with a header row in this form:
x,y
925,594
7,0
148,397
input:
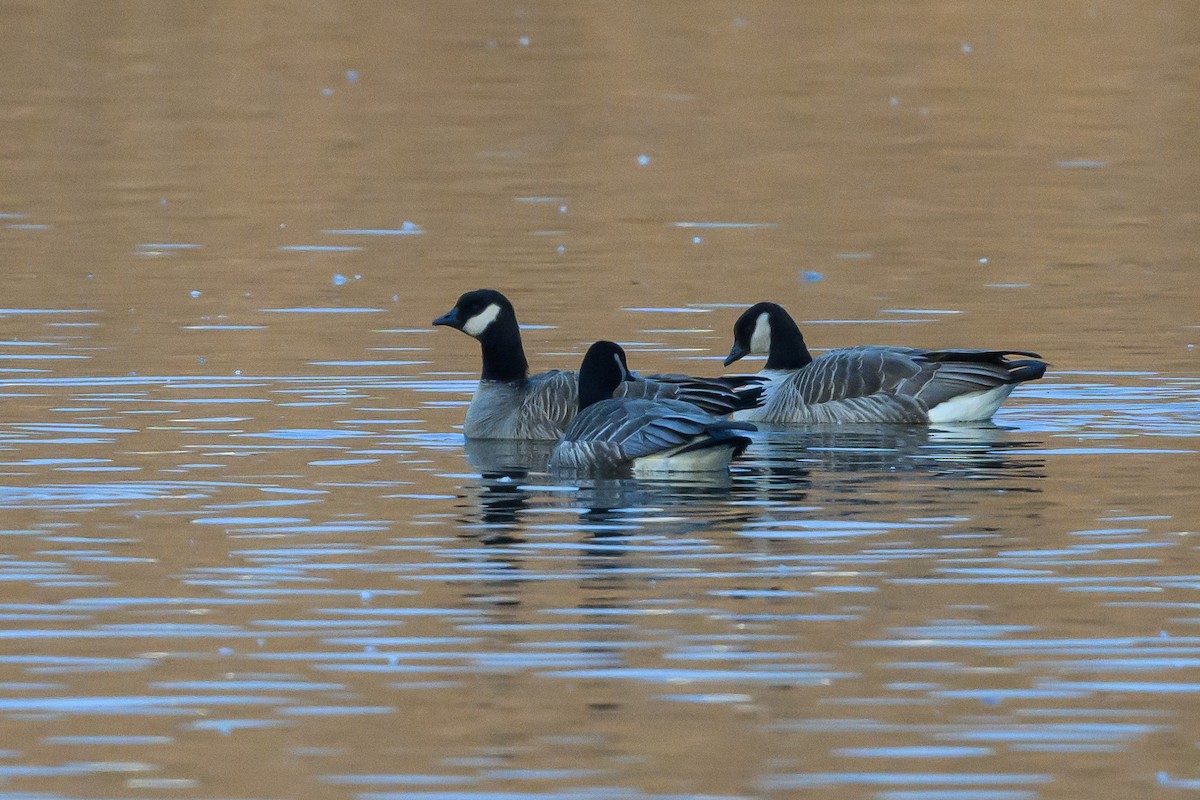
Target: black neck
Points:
x,y
595,387
600,373
503,355
788,350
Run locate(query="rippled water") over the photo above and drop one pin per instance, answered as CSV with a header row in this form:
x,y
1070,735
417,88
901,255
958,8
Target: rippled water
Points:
x,y
248,554
363,603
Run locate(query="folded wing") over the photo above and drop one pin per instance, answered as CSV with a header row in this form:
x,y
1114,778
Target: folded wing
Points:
x,y
616,432
893,384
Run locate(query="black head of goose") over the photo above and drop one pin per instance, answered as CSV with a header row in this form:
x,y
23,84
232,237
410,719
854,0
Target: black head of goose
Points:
x,y
512,404
873,383
488,316
765,329
649,437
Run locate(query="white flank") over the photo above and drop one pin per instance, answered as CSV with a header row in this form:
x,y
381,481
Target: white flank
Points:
x,y
760,342
477,324
710,459
972,407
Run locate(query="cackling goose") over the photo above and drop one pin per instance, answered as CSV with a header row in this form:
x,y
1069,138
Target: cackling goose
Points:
x,y
647,437
512,404
872,383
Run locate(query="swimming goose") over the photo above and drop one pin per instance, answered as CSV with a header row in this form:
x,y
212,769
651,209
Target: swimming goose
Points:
x,y
512,404
872,383
648,437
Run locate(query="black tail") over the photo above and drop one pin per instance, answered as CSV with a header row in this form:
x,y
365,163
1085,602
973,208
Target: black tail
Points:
x,y
1026,370
975,356
722,434
719,398
751,396
749,389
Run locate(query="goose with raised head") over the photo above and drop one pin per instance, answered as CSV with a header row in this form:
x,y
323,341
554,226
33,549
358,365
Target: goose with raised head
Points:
x,y
509,403
872,383
646,437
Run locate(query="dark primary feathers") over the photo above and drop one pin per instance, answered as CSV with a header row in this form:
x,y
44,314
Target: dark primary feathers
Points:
x,y
512,404
873,383
616,433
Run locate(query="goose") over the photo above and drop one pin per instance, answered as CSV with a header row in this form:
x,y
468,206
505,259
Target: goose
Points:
x,y
872,383
647,437
512,404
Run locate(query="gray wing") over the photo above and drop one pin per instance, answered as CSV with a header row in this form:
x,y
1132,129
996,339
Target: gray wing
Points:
x,y
615,432
854,372
719,396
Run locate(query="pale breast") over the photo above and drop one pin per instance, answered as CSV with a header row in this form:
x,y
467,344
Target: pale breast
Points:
x,y
500,410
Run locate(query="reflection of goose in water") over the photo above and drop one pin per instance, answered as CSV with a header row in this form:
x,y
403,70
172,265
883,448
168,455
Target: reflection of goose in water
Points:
x,y
508,455
978,450
803,453
501,494
512,473
603,497
789,466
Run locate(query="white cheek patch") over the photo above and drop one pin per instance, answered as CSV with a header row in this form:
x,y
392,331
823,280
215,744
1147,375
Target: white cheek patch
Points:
x,y
477,324
760,342
620,367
